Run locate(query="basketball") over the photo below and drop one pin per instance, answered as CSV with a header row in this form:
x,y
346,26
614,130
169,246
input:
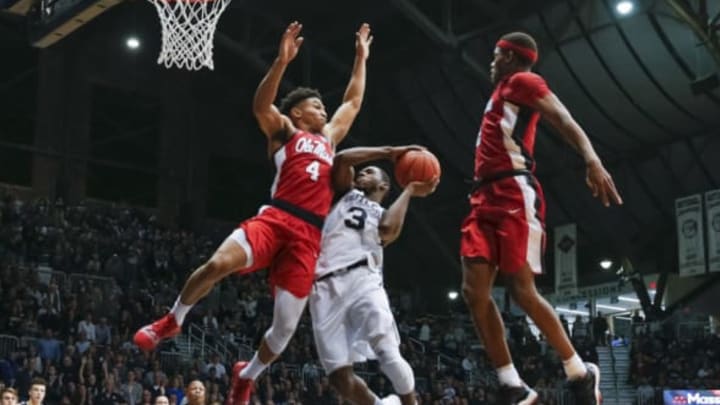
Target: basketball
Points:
x,y
416,165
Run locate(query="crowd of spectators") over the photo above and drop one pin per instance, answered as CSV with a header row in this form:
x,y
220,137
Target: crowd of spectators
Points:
x,y
77,281
660,360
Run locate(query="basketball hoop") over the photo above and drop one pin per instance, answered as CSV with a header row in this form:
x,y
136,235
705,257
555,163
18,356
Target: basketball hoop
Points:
x,y
188,28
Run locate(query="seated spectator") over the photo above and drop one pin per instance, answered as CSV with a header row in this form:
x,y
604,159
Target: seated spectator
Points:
x,y
195,393
8,396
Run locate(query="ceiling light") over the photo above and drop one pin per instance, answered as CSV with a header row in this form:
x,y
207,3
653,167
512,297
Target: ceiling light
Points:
x,y
132,43
570,311
610,307
629,299
624,7
605,264
453,295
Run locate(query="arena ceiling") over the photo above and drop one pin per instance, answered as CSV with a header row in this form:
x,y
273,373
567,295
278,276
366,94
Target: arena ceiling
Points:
x,y
627,80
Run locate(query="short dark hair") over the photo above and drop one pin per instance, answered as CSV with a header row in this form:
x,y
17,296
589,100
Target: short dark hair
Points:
x,y
524,40
295,97
384,175
38,381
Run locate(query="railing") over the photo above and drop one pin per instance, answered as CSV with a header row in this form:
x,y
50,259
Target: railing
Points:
x,y
171,361
208,345
47,274
646,397
8,344
614,372
416,344
692,329
444,361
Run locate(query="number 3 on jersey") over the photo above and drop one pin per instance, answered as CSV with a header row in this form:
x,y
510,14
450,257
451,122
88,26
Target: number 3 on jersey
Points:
x,y
357,219
314,169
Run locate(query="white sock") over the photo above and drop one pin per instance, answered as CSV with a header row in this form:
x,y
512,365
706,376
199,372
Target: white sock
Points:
x,y
179,310
509,376
377,400
253,369
574,367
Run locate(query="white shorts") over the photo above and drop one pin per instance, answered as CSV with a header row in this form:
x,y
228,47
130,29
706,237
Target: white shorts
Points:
x,y
349,311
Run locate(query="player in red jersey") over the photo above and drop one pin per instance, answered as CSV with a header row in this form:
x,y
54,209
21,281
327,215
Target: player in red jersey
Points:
x,y
285,235
505,231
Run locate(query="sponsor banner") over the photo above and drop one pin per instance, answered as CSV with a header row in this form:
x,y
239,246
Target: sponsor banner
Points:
x,y
690,236
596,291
691,397
565,260
712,216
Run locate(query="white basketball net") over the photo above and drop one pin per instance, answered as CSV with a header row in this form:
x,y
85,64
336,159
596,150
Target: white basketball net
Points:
x,y
188,28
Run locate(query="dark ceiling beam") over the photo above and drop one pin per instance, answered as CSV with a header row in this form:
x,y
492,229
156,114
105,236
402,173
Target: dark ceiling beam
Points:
x,y
655,81
425,24
641,154
252,58
700,24
440,37
689,73
490,9
447,16
277,22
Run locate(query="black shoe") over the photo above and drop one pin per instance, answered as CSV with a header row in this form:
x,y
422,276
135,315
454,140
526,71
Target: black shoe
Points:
x,y
586,389
517,395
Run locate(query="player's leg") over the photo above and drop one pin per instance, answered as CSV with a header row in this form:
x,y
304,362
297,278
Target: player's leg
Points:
x,y
479,250
291,275
372,317
329,308
522,248
351,387
584,377
233,254
288,310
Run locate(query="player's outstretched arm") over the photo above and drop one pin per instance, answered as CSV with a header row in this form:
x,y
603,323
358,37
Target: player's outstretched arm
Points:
x,y
343,173
269,117
598,179
394,217
344,117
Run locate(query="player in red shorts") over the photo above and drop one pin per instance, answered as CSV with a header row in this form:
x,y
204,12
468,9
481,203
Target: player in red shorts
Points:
x,y
285,235
505,231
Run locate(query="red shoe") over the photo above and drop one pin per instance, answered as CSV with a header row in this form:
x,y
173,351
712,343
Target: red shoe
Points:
x,y
240,388
148,337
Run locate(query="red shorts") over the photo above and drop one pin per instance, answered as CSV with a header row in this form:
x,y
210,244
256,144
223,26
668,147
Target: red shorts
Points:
x,y
506,224
285,244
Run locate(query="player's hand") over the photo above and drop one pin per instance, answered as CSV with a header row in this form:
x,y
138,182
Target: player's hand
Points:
x,y
290,42
363,39
423,188
601,184
397,151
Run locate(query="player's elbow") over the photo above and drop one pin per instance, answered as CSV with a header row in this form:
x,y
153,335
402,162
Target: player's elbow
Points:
x,y
260,110
389,232
342,159
355,103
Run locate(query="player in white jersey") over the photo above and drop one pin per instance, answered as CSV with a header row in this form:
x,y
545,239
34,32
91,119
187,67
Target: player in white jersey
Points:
x,y
351,315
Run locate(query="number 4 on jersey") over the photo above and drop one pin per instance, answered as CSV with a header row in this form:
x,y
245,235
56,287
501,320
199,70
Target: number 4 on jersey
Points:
x,y
314,170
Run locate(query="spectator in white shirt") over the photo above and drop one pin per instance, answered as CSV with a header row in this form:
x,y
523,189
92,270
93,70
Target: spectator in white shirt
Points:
x,y
88,327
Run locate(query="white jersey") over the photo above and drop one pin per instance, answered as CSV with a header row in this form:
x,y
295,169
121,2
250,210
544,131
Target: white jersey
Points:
x,y
350,234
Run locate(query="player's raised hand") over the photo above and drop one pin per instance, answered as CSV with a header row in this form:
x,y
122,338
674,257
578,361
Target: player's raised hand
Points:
x,y
290,42
423,188
363,39
601,184
398,151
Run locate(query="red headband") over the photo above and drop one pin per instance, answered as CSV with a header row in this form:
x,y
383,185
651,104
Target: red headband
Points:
x,y
527,53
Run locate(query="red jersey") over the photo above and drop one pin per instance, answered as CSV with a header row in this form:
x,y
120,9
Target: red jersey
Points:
x,y
507,135
302,175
